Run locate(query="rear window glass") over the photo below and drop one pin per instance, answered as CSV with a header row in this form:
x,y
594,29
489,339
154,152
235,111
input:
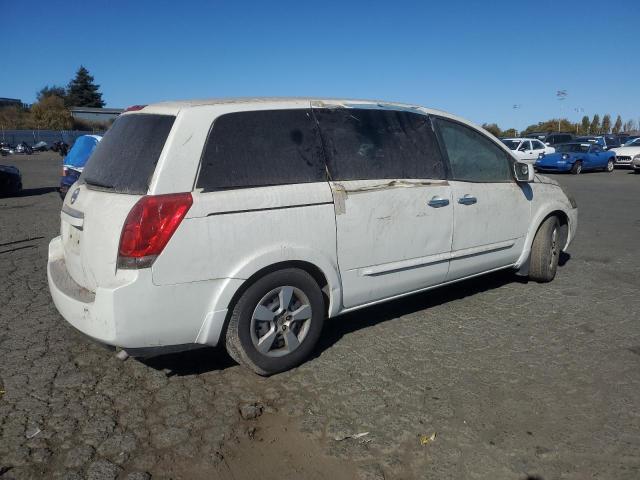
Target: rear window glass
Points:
x,y
125,159
368,144
262,148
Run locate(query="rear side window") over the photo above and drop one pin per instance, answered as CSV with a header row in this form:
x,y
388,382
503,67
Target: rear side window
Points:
x,y
261,148
472,156
125,159
363,144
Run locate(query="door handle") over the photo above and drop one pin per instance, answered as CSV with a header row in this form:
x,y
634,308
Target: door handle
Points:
x,y
467,200
437,202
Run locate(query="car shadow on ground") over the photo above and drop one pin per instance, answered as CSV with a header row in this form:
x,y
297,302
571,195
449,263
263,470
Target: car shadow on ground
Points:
x,y
338,327
191,362
205,359
30,192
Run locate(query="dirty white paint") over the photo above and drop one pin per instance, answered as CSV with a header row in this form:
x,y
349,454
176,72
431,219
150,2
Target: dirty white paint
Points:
x,y
372,239
384,225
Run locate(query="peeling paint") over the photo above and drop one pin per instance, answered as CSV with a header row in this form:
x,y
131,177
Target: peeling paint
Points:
x,y
339,198
398,184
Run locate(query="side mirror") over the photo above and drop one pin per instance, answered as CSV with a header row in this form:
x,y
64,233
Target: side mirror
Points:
x,y
548,144
524,172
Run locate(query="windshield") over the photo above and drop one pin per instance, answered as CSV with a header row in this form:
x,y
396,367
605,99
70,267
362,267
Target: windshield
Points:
x,y
125,159
633,142
81,151
512,144
573,147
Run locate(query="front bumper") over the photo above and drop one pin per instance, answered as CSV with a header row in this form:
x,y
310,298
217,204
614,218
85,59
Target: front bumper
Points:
x,y
623,161
573,227
554,167
133,313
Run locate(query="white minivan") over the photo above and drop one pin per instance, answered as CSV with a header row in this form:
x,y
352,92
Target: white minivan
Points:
x,y
247,222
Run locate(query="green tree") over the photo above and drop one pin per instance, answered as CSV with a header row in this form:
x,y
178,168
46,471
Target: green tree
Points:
x,y
50,113
606,123
15,118
629,126
595,125
551,126
617,127
584,126
82,92
492,128
510,132
53,90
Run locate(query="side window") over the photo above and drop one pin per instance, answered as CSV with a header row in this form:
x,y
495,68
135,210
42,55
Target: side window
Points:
x,y
365,144
537,145
472,156
261,148
595,149
525,145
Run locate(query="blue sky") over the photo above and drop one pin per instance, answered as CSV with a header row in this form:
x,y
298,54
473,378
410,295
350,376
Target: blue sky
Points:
x,y
475,59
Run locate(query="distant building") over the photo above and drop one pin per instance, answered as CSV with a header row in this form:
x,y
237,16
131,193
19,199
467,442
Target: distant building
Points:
x,y
10,102
95,115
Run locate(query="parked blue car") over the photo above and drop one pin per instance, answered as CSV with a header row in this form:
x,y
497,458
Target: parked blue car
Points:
x,y
576,158
75,161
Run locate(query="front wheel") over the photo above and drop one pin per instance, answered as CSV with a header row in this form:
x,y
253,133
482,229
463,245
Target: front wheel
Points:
x,y
576,168
610,165
545,251
276,322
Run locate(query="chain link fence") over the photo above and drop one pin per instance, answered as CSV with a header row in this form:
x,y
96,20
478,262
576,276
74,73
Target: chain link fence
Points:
x,y
31,137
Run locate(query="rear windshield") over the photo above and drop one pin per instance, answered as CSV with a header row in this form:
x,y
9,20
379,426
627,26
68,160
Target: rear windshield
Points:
x,y
125,159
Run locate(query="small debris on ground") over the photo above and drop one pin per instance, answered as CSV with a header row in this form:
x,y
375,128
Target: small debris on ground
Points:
x,y
427,439
252,410
354,436
122,355
32,433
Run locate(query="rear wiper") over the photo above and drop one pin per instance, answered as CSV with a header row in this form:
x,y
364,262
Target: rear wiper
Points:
x,y
95,183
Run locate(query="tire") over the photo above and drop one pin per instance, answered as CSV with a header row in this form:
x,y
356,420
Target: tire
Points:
x,y
610,165
577,167
251,325
636,170
545,251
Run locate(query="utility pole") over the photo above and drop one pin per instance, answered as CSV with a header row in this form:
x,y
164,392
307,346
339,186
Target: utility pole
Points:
x,y
561,95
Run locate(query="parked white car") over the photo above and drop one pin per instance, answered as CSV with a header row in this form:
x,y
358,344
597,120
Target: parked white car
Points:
x,y
248,222
626,154
527,150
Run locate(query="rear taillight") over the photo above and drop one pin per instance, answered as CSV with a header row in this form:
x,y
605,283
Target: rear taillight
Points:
x,y
65,170
149,226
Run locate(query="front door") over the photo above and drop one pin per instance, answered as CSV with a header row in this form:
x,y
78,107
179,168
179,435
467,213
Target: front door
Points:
x,y
393,205
491,211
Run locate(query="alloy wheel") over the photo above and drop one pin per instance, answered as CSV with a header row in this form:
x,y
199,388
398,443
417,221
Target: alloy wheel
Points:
x,y
280,322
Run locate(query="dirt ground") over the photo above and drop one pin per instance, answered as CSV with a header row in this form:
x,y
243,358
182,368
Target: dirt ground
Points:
x,y
516,379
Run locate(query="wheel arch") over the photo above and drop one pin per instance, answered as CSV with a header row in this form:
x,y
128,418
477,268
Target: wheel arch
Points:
x,y
565,225
323,271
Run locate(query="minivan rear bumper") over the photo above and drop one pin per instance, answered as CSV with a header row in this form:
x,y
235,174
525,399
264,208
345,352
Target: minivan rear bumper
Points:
x,y
134,313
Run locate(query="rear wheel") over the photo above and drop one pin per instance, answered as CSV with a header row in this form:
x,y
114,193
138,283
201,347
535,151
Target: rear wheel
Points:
x,y
545,251
576,168
276,322
610,165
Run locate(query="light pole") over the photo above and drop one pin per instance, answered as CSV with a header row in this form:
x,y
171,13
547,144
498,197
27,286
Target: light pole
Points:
x,y
578,110
561,95
517,106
